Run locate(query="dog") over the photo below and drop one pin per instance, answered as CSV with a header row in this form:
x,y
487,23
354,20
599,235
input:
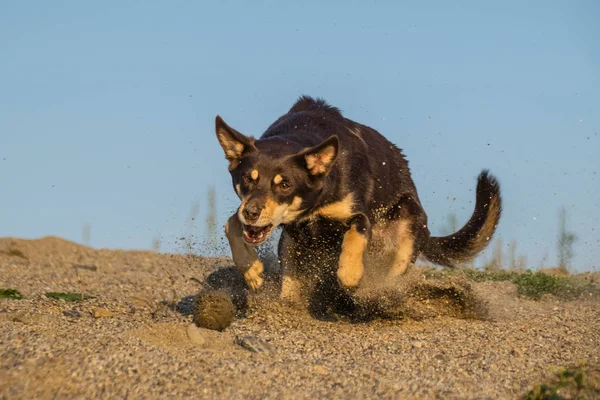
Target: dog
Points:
x,y
341,192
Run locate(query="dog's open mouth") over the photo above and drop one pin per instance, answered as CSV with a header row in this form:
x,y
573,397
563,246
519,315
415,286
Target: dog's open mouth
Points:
x,y
257,234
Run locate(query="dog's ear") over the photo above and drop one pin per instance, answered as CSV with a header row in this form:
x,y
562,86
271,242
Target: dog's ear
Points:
x,y
233,143
320,158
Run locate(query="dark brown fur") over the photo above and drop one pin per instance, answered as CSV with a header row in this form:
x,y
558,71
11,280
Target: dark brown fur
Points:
x,y
340,190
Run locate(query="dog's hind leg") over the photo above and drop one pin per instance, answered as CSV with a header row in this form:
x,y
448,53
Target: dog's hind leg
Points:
x,y
411,228
244,256
351,264
403,253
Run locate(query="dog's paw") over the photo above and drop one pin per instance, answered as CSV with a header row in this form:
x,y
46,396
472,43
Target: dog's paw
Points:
x,y
350,274
253,276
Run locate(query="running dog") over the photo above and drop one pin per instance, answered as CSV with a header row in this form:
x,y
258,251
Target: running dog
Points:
x,y
341,192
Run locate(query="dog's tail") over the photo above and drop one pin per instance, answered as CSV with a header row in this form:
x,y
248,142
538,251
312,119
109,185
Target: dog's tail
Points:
x,y
472,238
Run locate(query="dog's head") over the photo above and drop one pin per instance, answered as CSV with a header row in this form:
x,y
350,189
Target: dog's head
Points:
x,y
276,180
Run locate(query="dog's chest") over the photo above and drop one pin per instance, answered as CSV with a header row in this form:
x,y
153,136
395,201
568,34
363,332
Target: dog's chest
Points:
x,y
318,233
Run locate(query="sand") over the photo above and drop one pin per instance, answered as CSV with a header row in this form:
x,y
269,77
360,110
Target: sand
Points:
x,y
462,340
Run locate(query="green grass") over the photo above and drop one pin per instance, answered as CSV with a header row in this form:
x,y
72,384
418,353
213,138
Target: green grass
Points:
x,y
568,383
536,284
13,294
68,296
529,284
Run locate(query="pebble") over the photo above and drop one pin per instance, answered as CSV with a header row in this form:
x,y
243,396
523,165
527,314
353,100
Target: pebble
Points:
x,y
72,313
194,334
255,345
102,313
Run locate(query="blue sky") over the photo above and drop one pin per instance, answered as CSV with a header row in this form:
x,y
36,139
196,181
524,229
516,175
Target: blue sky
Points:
x,y
107,109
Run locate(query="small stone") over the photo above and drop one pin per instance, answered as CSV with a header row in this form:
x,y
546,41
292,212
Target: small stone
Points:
x,y
195,335
72,313
102,313
255,345
418,344
319,369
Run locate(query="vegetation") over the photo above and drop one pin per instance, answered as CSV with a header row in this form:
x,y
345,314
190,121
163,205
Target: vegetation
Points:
x,y
505,265
68,296
505,257
569,383
211,219
536,284
86,233
500,261
529,284
13,294
565,242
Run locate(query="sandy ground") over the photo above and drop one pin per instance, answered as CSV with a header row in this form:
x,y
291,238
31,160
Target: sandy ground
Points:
x,y
55,349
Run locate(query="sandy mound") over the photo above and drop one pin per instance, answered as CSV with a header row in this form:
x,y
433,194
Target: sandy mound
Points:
x,y
421,337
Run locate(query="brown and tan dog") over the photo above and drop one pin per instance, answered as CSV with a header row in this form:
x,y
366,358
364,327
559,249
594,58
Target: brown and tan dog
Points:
x,y
340,191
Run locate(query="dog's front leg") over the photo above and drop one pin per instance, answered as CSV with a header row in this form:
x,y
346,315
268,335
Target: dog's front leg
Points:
x,y
351,267
244,256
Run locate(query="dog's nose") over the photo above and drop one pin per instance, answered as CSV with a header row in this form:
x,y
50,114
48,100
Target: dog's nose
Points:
x,y
251,213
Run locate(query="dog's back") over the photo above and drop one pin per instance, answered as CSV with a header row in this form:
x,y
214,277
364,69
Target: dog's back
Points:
x,y
368,164
339,189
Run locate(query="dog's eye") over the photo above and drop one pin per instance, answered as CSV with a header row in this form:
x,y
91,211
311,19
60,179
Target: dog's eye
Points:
x,y
247,179
284,186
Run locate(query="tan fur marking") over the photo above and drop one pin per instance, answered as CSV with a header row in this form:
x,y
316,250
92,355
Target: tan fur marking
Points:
x,y
271,207
339,211
238,190
254,174
254,275
488,228
404,249
275,213
293,210
240,214
233,149
351,267
319,163
277,180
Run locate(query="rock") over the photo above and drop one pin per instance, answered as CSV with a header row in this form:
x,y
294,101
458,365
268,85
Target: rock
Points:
x,y
72,313
255,345
195,335
86,267
102,313
214,309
